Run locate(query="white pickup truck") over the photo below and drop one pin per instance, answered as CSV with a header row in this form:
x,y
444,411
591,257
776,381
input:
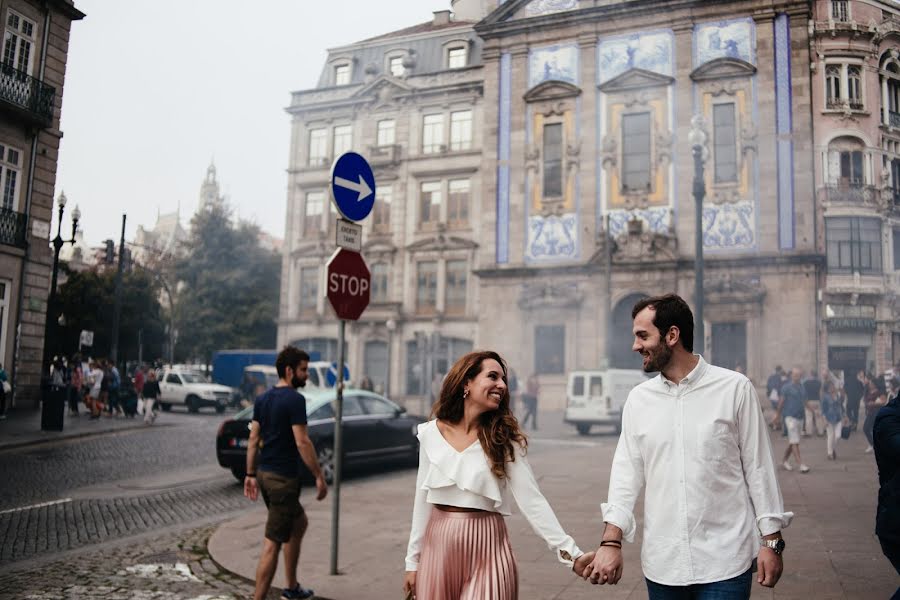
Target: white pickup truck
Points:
x,y
191,389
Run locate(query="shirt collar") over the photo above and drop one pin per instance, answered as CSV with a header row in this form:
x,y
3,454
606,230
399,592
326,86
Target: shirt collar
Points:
x,y
692,377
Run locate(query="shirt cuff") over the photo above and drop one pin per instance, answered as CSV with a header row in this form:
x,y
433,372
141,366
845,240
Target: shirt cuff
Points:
x,y
570,549
411,566
771,523
621,518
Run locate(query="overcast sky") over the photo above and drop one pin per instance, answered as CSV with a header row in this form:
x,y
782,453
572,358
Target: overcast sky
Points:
x,y
155,89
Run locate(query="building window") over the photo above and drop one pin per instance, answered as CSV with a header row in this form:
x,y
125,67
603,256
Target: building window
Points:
x,y
832,86
379,282
426,287
309,289
456,57
896,249
461,130
893,90
729,345
381,211
724,143
852,168
455,300
5,289
18,42
840,10
343,139
430,202
458,202
395,66
315,204
432,133
10,168
853,244
318,147
550,349
318,349
895,181
376,366
636,152
386,132
342,74
854,88
553,142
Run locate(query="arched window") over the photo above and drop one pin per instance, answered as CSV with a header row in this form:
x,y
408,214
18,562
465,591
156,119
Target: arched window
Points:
x,y
854,85
832,86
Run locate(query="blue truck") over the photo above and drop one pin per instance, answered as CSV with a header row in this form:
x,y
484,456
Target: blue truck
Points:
x,y
228,365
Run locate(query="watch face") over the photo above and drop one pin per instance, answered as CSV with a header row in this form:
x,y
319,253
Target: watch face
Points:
x,y
779,546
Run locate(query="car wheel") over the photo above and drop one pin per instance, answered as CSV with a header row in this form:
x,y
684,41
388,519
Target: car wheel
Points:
x,y
165,406
325,454
583,428
193,404
238,474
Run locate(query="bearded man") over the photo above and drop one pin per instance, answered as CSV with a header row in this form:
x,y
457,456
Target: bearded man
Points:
x,y
695,437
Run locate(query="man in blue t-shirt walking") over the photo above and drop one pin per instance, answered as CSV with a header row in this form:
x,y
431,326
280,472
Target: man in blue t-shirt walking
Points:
x,y
793,406
279,436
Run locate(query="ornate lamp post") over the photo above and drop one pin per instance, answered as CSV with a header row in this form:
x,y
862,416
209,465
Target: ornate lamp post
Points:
x,y
58,242
697,139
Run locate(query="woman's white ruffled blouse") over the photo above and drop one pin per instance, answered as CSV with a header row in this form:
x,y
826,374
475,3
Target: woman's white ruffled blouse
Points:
x,y
464,479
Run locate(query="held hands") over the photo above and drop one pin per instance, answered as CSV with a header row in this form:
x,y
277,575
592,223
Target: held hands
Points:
x,y
409,585
251,488
582,562
606,567
770,566
321,487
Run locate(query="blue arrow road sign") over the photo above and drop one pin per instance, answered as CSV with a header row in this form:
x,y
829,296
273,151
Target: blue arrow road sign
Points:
x,y
331,374
352,186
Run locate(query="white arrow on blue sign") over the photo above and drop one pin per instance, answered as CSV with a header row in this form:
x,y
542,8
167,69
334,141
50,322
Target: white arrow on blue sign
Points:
x,y
331,374
352,186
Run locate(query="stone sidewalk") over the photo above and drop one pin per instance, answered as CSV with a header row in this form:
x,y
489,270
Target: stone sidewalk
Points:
x,y
22,427
831,550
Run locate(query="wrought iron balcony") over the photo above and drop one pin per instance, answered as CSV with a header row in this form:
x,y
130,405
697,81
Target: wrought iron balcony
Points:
x,y
29,96
12,228
851,194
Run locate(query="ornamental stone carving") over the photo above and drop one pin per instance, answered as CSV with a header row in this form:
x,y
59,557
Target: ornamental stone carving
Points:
x,y
536,295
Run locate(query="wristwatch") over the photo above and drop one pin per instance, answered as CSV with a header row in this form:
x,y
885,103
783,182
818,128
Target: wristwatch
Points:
x,y
777,545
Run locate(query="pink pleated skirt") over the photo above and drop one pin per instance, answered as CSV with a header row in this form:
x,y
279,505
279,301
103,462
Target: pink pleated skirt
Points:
x,y
466,556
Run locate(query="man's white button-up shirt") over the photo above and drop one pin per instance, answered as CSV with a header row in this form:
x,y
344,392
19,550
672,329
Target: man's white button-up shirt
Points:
x,y
702,450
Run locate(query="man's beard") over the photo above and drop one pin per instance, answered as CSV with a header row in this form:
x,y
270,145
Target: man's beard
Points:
x,y
659,358
297,382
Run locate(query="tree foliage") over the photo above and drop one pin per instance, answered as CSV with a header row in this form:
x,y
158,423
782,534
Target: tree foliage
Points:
x,y
87,300
228,287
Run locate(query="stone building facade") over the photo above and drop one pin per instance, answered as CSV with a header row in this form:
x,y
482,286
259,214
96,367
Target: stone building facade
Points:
x,y
32,72
579,186
856,98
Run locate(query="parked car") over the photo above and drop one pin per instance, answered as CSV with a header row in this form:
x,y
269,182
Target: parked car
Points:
x,y
375,430
597,397
258,378
191,389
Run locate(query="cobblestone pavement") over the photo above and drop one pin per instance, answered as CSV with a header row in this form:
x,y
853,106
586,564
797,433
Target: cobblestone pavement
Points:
x,y
174,566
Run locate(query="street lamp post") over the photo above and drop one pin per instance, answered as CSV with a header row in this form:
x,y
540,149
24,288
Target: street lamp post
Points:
x,y
58,242
697,138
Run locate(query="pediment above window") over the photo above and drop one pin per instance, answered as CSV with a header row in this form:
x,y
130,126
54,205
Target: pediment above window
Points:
x,y
442,242
382,88
552,90
378,247
320,249
723,68
635,79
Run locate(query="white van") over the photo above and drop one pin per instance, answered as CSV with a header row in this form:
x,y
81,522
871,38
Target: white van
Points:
x,y
597,397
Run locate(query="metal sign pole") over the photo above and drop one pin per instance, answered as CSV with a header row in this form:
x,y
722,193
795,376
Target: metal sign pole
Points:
x,y
338,449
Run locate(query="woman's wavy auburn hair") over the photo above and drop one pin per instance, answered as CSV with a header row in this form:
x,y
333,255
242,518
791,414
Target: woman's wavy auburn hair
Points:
x,y
498,429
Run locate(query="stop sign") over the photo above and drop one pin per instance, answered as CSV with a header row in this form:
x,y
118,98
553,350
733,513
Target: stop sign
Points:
x,y
348,284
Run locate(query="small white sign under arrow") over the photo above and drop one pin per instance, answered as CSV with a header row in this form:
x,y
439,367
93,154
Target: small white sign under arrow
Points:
x,y
348,235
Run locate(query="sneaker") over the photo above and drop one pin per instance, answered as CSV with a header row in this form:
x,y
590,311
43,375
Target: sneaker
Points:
x,y
787,466
804,469
869,449
298,591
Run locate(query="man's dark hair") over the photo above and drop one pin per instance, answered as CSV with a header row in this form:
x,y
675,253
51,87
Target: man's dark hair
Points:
x,y
290,356
670,310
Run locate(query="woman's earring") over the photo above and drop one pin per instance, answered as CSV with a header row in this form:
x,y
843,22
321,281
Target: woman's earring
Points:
x,y
465,394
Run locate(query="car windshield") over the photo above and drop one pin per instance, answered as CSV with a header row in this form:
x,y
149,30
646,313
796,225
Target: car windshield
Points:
x,y
193,378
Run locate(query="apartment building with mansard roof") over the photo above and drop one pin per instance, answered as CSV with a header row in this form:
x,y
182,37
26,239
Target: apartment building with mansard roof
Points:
x,y
32,71
411,102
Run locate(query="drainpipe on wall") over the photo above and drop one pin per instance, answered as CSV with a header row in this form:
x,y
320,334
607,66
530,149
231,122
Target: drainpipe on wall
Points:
x,y
29,191
818,293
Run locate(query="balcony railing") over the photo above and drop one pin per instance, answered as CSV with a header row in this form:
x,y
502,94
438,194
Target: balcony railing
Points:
x,y
851,194
27,94
12,228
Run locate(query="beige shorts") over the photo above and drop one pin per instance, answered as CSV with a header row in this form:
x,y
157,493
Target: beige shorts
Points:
x,y
794,426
